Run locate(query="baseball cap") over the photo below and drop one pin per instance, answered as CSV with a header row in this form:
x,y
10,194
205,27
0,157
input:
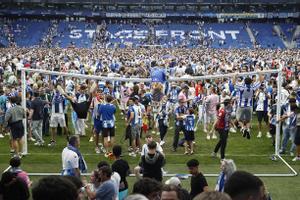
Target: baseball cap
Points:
x,y
173,181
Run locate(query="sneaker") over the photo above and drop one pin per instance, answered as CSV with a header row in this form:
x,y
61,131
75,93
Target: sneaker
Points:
x,y
281,151
208,137
213,154
52,143
232,130
31,139
97,150
37,144
106,155
243,131
132,154
296,158
186,153
247,133
157,133
259,134
292,153
269,135
91,139
130,149
153,132
205,131
12,151
171,127
1,136
162,143
214,137
103,150
192,152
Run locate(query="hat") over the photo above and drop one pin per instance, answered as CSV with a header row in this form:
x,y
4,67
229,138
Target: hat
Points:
x,y
173,181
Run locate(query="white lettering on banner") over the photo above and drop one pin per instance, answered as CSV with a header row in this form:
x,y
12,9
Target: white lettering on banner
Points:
x,y
221,35
124,34
161,33
140,34
232,34
75,34
177,33
90,33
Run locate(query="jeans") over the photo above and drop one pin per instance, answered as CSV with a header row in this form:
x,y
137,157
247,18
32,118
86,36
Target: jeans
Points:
x,y
222,142
37,130
176,135
287,134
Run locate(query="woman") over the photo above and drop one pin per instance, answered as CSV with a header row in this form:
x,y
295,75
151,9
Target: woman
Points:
x,y
227,169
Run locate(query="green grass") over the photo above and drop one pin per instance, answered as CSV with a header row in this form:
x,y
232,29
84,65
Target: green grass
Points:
x,y
251,155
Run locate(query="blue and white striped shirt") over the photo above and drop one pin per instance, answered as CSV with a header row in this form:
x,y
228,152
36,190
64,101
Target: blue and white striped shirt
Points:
x,y
246,93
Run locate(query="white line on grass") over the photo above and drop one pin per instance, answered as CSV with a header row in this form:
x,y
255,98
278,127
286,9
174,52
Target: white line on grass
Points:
x,y
94,154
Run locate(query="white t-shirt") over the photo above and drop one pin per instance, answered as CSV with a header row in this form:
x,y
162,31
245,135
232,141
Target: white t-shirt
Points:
x,y
260,101
116,178
70,159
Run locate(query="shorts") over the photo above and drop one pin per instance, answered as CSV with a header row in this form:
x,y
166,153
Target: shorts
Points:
x,y
262,115
57,118
297,136
80,126
272,129
211,117
108,132
98,126
244,114
189,135
123,194
17,130
135,131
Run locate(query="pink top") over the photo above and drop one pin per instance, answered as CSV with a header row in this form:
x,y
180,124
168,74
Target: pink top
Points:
x,y
212,101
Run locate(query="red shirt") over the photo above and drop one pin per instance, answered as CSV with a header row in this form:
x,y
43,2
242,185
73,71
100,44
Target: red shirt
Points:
x,y
221,119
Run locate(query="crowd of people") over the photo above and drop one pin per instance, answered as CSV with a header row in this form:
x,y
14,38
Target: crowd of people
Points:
x,y
109,182
220,105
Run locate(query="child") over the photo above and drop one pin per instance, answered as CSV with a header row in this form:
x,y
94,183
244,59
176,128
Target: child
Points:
x,y
162,120
189,133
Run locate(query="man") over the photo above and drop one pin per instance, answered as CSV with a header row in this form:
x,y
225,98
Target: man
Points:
x,y
171,192
289,127
135,121
81,104
107,115
54,187
222,126
107,189
57,114
198,181
211,102
244,186
122,168
3,99
262,110
36,114
14,120
246,90
180,112
148,187
72,161
152,163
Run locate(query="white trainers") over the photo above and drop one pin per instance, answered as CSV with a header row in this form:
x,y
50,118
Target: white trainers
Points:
x,y
232,130
97,150
162,143
132,154
269,135
213,154
296,159
171,127
208,137
292,153
205,131
91,139
259,134
31,139
214,137
1,136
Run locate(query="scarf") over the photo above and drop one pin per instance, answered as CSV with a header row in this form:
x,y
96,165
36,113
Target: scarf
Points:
x,y
151,160
220,182
82,163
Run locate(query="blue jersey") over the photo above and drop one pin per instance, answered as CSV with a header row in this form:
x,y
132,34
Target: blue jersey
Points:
x,y
246,93
107,115
180,110
158,75
190,123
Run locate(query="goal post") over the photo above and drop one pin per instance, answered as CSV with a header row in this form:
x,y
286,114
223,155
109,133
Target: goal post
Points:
x,y
170,79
